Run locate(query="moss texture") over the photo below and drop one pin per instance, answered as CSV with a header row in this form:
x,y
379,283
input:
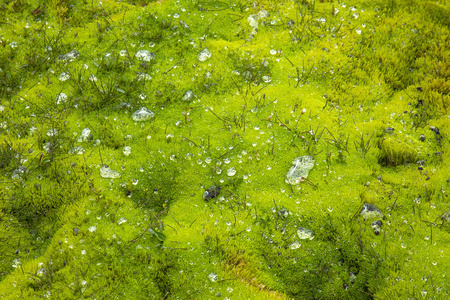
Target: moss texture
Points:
x,y
362,86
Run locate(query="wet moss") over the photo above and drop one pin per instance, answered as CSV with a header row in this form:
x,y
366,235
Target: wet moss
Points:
x,y
360,86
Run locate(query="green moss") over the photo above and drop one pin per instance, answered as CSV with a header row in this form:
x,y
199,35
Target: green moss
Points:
x,y
395,151
361,87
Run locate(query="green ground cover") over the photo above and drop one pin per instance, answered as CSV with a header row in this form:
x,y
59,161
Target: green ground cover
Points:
x,y
98,202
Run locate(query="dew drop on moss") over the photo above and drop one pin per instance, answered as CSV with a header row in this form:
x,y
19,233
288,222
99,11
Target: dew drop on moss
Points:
x,y
300,169
106,172
126,150
143,114
305,234
204,55
231,171
64,76
145,55
213,277
85,135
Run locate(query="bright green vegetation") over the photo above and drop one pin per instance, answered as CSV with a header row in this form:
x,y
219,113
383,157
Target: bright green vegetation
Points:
x,y
362,86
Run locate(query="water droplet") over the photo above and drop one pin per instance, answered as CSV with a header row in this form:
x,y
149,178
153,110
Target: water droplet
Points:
x,y
213,277
85,135
77,150
204,55
121,221
106,172
69,56
231,171
92,229
142,114
64,76
295,245
300,169
126,150
145,55
266,79
188,96
305,234
143,76
52,132
62,97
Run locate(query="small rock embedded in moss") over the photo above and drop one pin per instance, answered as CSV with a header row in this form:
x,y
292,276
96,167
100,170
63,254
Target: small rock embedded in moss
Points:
x,y
389,130
376,226
211,193
370,211
300,169
421,163
305,234
435,129
422,138
143,114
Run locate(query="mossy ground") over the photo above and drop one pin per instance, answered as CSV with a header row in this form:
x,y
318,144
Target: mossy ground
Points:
x,y
363,86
